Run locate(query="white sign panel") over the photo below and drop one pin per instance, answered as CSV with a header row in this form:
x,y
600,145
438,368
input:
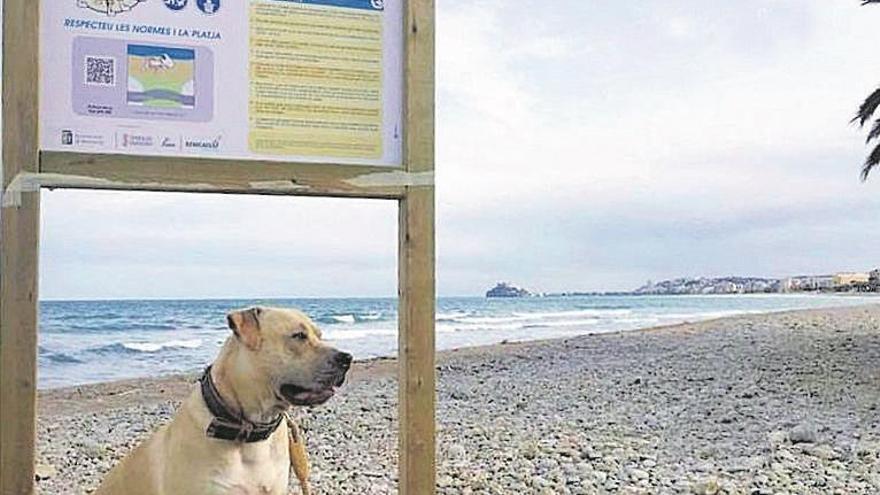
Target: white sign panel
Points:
x,y
287,80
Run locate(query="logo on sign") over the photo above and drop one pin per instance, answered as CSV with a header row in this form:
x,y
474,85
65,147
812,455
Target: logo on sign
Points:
x,y
136,141
378,4
202,144
175,4
67,137
208,6
109,7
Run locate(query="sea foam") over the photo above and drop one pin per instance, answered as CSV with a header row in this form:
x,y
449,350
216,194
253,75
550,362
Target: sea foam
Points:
x,y
159,346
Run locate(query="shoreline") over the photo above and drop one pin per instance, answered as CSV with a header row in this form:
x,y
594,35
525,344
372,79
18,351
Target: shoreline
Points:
x,y
126,385
758,403
80,398
90,344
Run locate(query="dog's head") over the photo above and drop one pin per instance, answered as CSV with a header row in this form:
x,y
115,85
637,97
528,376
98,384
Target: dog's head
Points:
x,y
285,347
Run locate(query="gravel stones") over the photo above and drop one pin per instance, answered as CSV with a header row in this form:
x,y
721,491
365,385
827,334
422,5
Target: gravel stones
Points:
x,y
803,433
760,404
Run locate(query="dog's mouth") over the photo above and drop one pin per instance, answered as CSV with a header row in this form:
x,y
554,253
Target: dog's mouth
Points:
x,y
302,396
324,389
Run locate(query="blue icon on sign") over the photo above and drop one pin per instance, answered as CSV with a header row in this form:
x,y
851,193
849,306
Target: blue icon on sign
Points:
x,y
175,4
208,6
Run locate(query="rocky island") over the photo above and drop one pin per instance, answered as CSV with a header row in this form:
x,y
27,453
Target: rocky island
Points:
x,y
503,289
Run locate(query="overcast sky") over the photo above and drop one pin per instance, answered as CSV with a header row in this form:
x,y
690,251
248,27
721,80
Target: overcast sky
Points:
x,y
584,145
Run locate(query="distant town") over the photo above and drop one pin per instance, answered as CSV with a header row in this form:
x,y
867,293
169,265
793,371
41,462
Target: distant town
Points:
x,y
838,282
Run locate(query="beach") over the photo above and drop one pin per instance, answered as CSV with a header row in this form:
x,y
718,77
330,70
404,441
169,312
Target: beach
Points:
x,y
104,341
758,404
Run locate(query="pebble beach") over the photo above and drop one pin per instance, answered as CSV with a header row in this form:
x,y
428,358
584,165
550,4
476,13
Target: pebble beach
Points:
x,y
782,403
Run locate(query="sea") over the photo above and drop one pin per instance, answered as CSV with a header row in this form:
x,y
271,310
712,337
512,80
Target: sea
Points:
x,y
85,342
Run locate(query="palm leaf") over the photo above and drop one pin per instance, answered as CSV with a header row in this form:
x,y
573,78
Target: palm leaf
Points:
x,y
868,108
872,161
875,132
866,111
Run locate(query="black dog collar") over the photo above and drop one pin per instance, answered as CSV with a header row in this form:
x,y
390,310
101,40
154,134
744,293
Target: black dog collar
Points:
x,y
230,426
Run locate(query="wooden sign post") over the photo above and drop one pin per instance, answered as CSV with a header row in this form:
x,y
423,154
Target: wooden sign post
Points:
x,y
98,129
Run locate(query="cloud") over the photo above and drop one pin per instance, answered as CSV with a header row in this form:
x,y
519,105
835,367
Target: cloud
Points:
x,y
581,145
100,244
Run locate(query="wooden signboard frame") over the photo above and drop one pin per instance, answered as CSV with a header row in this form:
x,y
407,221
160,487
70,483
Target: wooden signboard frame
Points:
x,y
23,163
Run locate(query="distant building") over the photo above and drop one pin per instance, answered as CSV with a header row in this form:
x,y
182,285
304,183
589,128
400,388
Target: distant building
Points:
x,y
726,287
702,285
812,282
846,279
785,285
758,286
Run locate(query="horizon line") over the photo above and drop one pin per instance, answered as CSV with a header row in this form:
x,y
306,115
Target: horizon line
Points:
x,y
218,298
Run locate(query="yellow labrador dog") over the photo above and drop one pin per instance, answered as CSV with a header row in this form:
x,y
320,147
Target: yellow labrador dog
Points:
x,y
228,437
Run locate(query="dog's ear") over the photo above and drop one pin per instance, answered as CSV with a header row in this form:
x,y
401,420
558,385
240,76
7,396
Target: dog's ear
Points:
x,y
245,324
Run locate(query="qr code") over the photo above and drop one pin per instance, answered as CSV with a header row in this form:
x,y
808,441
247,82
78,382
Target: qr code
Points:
x,y
101,71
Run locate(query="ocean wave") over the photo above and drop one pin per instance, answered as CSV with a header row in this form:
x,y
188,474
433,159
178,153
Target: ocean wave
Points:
x,y
452,315
147,347
360,333
500,325
479,327
57,357
595,312
107,327
81,316
349,318
563,323
196,326
491,320
146,326
548,318
604,306
156,347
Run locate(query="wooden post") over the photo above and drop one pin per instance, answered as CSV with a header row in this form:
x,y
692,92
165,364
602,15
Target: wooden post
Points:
x,y
19,242
417,393
18,250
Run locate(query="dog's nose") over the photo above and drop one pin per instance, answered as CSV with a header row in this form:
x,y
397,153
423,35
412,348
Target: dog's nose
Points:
x,y
344,359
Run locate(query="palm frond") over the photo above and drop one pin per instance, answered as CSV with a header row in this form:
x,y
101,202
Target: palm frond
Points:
x,y
867,109
875,131
872,161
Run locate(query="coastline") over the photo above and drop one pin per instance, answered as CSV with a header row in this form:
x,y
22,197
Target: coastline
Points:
x,y
175,386
99,342
679,407
91,397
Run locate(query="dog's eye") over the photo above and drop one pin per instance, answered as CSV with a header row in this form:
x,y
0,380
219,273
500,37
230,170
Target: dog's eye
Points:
x,y
299,336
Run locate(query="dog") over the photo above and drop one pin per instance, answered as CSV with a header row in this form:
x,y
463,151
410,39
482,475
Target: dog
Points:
x,y
159,63
228,437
